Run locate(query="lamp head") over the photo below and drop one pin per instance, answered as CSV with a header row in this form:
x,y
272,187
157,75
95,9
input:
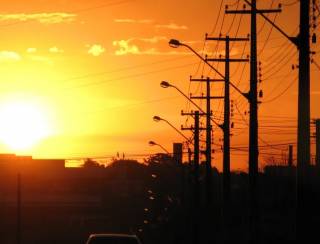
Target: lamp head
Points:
x,y
174,43
156,118
152,143
165,84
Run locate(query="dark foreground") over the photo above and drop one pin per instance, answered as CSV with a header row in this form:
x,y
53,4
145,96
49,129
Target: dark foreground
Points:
x,y
43,202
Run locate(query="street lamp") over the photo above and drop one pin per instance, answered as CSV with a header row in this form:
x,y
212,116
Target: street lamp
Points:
x,y
152,143
158,118
166,84
176,43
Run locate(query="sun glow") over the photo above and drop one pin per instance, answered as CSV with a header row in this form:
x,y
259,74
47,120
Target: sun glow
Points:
x,y
22,125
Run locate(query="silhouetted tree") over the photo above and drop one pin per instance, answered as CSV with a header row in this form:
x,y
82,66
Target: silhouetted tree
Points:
x,y
90,163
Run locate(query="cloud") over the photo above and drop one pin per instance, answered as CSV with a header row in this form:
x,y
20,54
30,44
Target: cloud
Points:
x,y
31,50
134,21
154,51
152,40
96,50
125,47
172,26
7,56
55,50
43,18
41,59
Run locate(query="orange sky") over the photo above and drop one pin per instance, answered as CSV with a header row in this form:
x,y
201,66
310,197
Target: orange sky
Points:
x,y
95,67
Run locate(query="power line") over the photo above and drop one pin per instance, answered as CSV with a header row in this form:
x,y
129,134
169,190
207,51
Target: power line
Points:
x,y
281,93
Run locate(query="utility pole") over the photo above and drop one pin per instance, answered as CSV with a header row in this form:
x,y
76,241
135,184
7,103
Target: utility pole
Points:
x,y
303,148
226,123
303,225
208,98
196,177
304,92
18,208
318,142
196,128
290,156
253,100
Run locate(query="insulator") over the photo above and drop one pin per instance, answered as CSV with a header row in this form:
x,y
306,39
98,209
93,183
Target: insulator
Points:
x,y
232,125
227,6
314,38
292,67
260,93
244,6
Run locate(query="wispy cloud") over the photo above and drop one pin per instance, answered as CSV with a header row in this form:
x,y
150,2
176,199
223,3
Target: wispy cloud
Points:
x,y
172,26
31,50
55,50
43,18
125,47
9,56
152,40
41,59
134,21
96,50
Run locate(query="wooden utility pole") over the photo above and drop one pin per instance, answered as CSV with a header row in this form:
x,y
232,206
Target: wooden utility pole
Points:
x,y
290,156
253,100
226,184
318,143
208,98
226,123
18,208
196,128
196,178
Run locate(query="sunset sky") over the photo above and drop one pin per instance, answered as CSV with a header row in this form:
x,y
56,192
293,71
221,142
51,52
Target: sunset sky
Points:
x,y
88,75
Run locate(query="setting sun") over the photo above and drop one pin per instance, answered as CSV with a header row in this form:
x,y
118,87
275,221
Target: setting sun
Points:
x,y
22,125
